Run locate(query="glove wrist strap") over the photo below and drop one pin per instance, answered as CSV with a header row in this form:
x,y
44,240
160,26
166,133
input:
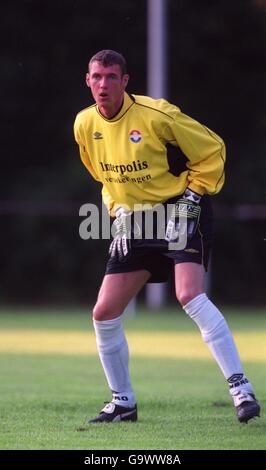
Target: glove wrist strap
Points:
x,y
191,196
122,211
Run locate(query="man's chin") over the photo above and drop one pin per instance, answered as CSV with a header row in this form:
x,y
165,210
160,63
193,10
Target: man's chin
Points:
x,y
103,99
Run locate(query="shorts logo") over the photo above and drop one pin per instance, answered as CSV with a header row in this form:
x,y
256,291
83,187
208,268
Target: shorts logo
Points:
x,y
191,250
135,136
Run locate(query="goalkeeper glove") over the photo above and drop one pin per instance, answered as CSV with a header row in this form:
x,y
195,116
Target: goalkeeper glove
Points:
x,y
184,217
121,244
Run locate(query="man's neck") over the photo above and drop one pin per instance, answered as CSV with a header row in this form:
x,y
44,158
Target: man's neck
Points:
x,y
110,113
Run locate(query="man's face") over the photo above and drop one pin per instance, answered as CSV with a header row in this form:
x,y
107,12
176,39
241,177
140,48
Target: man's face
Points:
x,y
107,85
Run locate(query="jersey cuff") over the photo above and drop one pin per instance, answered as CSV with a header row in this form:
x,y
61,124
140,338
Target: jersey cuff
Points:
x,y
196,189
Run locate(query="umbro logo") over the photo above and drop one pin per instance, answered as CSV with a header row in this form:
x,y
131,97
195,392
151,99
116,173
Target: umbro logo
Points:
x,y
97,135
235,378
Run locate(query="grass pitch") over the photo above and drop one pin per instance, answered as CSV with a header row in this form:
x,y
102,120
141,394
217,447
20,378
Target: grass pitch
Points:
x,y
51,381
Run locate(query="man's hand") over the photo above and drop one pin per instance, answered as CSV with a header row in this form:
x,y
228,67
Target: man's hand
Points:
x,y
121,244
184,218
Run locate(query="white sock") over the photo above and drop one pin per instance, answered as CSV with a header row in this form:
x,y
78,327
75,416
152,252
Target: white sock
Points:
x,y
216,333
113,352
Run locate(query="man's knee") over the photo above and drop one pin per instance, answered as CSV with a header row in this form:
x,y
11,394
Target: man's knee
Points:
x,y
184,296
189,281
103,311
100,311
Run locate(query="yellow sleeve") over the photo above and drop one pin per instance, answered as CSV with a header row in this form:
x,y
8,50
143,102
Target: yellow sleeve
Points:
x,y
205,151
108,201
82,151
86,161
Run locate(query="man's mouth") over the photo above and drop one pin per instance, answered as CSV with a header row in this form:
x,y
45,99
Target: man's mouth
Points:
x,y
103,95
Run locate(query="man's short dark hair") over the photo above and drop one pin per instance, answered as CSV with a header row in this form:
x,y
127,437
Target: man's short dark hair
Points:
x,y
108,57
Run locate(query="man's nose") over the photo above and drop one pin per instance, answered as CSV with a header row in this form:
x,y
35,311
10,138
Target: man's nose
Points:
x,y
103,82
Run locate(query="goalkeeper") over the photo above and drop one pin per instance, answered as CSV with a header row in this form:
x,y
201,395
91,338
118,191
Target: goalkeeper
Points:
x,y
146,153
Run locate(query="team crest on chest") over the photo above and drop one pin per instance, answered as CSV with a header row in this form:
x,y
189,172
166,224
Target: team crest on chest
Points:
x,y
135,136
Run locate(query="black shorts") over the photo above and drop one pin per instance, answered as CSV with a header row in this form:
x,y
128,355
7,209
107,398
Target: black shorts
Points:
x,y
155,256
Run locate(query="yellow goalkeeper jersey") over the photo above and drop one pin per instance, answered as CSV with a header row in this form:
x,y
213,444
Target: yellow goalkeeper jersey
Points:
x,y
129,154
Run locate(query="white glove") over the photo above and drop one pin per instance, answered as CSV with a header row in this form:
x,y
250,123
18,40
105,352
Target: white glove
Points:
x,y
121,245
184,218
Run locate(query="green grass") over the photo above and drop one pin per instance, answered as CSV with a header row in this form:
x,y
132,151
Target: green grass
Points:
x,y
241,319
183,404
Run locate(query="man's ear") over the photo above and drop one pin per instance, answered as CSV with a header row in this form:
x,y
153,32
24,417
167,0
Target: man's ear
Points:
x,y
88,79
125,80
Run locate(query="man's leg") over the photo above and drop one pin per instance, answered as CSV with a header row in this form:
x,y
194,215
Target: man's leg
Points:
x,y
189,282
114,295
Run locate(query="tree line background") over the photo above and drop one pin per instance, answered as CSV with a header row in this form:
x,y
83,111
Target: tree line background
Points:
x,y
216,75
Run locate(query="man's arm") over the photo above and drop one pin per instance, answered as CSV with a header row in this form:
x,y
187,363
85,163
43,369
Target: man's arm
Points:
x,y
108,202
205,152
204,149
85,158
86,161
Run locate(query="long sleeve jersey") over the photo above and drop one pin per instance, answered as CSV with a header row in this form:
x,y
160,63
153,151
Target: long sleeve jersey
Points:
x,y
128,154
